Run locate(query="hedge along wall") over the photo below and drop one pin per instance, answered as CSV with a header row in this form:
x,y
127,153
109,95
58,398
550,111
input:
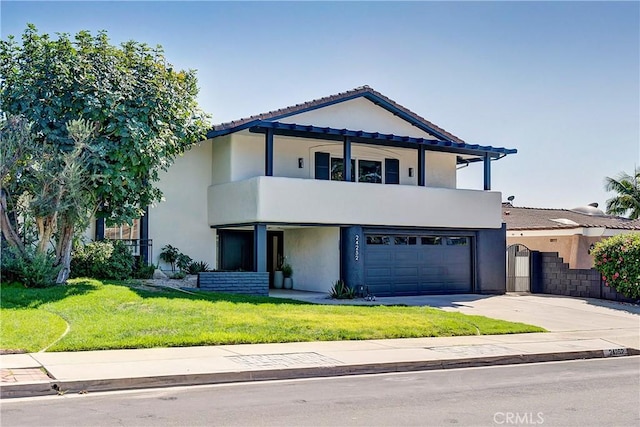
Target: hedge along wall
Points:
x,y
555,277
235,282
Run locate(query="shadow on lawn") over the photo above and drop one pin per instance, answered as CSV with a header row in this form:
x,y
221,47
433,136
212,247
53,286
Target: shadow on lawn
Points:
x,y
15,296
433,301
196,295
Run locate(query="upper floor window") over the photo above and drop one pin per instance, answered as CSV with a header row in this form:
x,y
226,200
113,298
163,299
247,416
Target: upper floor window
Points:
x,y
362,170
370,171
337,169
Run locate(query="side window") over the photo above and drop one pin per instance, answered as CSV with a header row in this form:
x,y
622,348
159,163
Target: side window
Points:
x,y
322,166
123,232
391,171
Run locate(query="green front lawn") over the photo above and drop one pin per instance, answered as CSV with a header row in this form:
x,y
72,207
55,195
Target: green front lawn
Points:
x,y
110,315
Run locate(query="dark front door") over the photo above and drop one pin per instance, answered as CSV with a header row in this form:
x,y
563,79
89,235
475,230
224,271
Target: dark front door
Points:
x,y
275,245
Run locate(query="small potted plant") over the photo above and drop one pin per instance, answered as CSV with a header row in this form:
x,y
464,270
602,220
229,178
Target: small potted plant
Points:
x,y
287,272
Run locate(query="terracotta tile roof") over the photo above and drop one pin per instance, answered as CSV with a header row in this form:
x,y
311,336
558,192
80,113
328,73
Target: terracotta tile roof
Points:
x,y
520,218
364,91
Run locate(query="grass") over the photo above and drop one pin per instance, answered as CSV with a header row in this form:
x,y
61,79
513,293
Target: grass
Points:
x,y
111,315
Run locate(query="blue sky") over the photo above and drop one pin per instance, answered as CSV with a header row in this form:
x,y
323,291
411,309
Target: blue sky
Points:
x,y
559,81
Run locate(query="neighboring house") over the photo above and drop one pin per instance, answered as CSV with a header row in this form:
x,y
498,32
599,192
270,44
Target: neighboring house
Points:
x,y
569,232
351,186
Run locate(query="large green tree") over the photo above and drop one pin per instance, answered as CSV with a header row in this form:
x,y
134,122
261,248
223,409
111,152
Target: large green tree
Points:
x,y
139,111
627,201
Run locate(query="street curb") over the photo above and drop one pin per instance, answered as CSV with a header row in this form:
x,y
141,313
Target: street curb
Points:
x,y
61,387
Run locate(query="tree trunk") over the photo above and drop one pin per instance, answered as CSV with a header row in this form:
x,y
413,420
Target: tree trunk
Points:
x,y
46,227
7,228
63,251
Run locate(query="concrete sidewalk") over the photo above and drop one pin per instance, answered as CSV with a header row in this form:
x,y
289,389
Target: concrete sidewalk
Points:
x,y
579,328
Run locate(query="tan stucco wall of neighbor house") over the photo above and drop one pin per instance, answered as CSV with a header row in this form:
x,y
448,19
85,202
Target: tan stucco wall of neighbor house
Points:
x,y
181,219
314,254
573,249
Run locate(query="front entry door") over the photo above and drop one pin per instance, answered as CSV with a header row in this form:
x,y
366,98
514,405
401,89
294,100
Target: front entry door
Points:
x,y
275,244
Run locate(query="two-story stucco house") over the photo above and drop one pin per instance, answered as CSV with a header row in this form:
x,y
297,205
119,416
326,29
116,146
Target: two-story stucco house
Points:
x,y
351,186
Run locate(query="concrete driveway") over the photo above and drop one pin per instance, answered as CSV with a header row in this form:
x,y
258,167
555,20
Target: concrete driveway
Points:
x,y
589,317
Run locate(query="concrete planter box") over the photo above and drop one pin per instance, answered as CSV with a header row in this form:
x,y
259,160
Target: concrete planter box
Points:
x,y
235,282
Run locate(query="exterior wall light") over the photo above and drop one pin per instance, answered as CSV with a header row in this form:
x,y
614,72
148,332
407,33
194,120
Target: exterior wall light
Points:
x,y
300,162
410,172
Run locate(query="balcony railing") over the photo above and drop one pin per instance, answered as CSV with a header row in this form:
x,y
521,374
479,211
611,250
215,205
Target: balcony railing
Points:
x,y
273,200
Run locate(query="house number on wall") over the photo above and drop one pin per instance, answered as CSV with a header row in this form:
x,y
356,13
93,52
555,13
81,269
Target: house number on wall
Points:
x,y
357,247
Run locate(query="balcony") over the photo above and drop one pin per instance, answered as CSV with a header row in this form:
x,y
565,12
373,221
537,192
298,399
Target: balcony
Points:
x,y
278,200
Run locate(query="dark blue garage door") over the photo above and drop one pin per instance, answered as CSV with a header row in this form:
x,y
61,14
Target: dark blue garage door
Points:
x,y
415,265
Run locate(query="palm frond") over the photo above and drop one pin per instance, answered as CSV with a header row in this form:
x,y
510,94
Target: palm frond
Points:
x,y
628,199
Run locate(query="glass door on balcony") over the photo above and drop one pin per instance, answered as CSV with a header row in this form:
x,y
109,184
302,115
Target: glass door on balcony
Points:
x,y
337,169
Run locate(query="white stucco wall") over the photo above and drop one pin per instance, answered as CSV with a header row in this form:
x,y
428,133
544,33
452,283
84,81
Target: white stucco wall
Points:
x,y
314,254
247,155
181,219
89,233
302,201
440,169
221,164
357,114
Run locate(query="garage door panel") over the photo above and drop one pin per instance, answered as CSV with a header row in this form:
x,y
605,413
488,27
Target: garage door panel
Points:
x,y
379,289
403,256
411,272
379,256
433,288
405,289
459,287
419,269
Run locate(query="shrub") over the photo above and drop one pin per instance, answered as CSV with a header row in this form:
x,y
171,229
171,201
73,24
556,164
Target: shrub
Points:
x,y
179,275
197,267
143,271
618,260
340,290
35,271
170,255
108,259
183,262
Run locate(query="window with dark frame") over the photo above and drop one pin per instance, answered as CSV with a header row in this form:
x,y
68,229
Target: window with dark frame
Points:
x,y
370,171
337,169
378,240
431,240
405,240
457,241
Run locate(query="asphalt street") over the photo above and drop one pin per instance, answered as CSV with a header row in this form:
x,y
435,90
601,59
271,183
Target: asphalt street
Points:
x,y
576,393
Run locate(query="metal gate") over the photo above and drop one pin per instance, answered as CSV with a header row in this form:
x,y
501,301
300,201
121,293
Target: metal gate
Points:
x,y
518,268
